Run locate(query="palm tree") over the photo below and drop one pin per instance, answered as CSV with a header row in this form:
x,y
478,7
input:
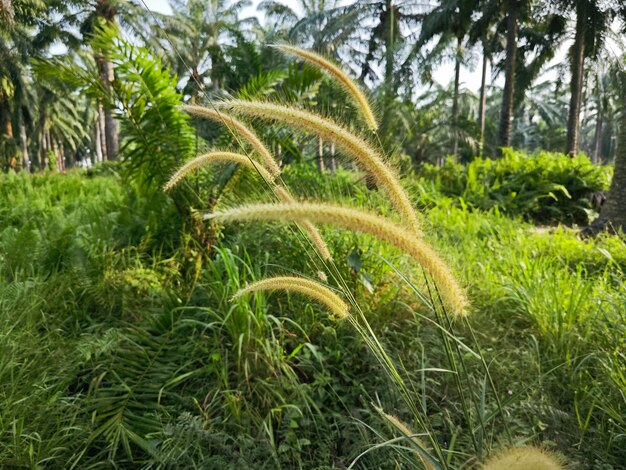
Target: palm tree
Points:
x,y
383,30
92,14
314,28
197,35
613,212
104,13
451,21
27,29
593,22
506,112
524,59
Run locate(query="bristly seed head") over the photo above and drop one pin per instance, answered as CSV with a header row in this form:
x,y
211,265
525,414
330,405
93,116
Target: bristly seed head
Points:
x,y
303,286
245,132
314,234
349,85
408,433
353,145
216,157
453,295
524,458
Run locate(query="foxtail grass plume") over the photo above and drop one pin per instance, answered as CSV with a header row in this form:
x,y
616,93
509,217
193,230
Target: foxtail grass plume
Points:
x,y
243,160
216,157
404,429
406,240
241,128
317,240
524,458
349,85
353,145
303,286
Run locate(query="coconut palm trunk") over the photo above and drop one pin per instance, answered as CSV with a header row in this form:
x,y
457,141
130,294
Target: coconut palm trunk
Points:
x,y
482,106
24,143
320,155
597,137
576,85
106,11
506,113
389,88
455,98
613,212
110,126
101,127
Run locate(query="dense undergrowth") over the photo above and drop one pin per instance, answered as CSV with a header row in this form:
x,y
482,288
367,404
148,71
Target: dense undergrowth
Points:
x,y
543,187
120,346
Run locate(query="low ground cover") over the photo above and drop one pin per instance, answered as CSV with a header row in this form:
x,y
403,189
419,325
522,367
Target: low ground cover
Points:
x,y
120,345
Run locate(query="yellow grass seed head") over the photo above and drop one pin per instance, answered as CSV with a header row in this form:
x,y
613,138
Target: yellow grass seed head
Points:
x,y
349,85
364,154
406,240
404,429
242,129
524,458
314,234
216,157
303,286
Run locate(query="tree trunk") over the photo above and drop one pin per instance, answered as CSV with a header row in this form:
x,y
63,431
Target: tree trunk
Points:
x,y
576,85
70,158
103,140
333,160
455,98
614,210
7,141
388,85
506,113
110,126
24,144
97,141
41,164
320,155
106,11
482,106
55,148
389,46
597,138
48,147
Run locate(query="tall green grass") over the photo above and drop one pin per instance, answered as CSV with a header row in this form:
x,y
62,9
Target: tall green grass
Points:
x,y
114,345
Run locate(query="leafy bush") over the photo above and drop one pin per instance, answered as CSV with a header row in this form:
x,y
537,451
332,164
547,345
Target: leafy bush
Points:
x,y
544,187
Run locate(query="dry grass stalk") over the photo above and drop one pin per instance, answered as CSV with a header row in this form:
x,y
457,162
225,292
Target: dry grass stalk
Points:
x,y
241,128
355,146
524,458
453,295
404,429
216,157
303,286
350,86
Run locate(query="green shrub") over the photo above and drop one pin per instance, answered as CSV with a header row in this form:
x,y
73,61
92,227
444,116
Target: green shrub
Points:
x,y
543,187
